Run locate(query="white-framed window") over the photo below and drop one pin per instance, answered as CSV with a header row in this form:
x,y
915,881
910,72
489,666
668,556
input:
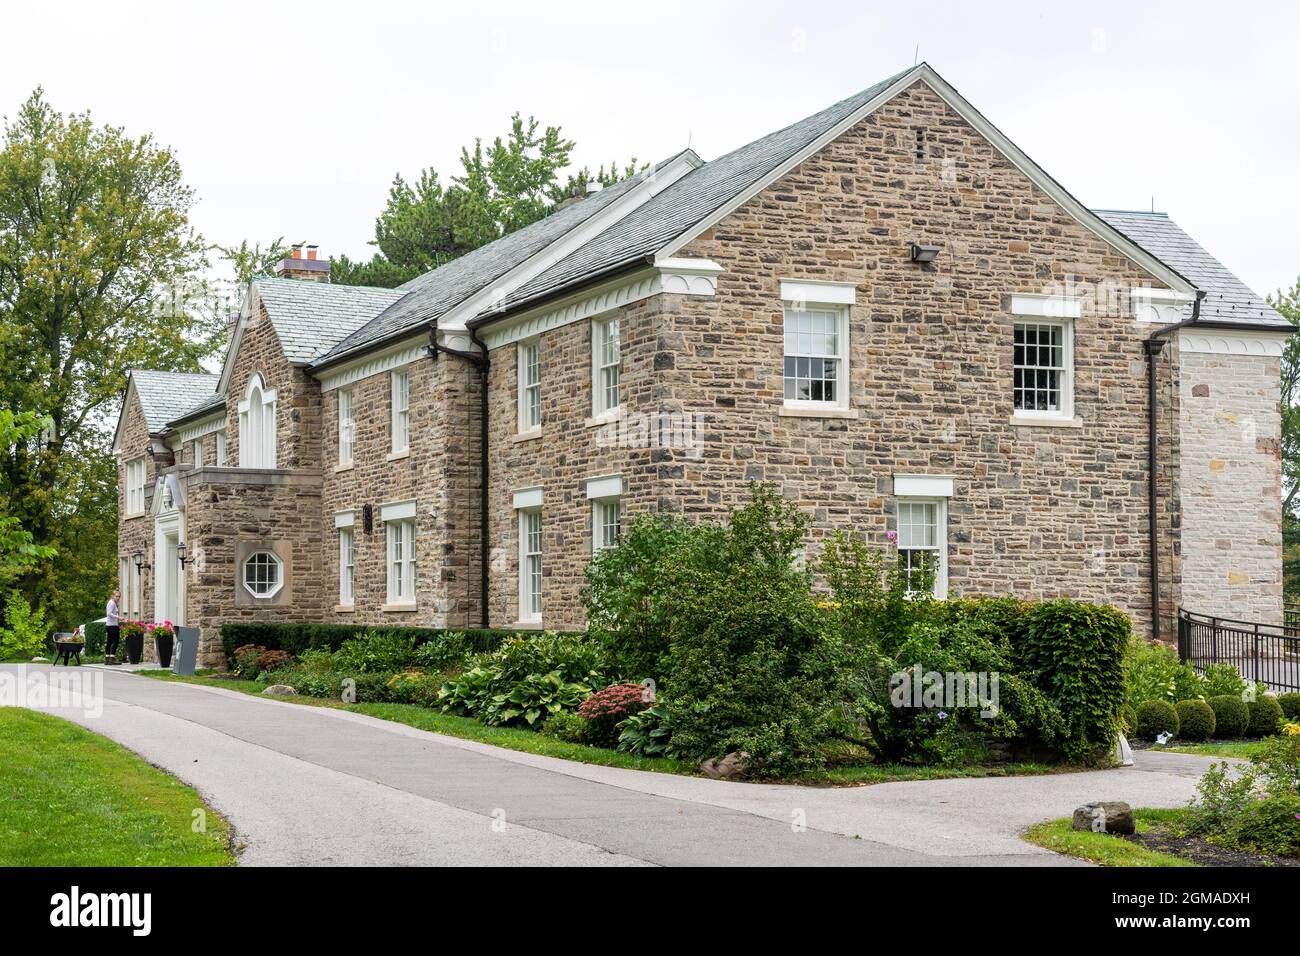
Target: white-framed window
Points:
x,y
220,459
257,426
345,426
135,487
530,386
401,560
923,544
401,404
605,365
1043,368
124,585
816,366
530,564
263,574
606,523
135,593
347,565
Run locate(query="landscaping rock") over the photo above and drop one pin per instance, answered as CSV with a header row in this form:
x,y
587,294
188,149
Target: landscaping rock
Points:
x,y
724,768
1106,816
279,690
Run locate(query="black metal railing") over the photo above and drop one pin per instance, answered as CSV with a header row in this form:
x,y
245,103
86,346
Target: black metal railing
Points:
x,y
1267,653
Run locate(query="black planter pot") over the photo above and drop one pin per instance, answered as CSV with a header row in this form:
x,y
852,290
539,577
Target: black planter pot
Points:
x,y
164,647
134,648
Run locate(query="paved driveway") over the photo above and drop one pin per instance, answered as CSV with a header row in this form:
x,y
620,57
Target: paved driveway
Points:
x,y
310,785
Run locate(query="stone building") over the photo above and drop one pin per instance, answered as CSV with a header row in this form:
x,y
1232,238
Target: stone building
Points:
x,y
886,309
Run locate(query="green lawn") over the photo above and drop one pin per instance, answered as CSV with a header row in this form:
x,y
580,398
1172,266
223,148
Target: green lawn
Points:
x,y
69,797
1061,837
513,738
1245,749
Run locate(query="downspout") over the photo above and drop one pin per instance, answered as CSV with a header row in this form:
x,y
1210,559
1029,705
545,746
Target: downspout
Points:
x,y
480,361
1154,345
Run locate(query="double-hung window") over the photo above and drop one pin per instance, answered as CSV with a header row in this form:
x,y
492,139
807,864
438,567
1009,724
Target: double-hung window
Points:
x,y
530,387
530,564
815,359
401,403
345,426
220,460
135,487
605,495
923,531
401,561
1042,368
605,365
347,560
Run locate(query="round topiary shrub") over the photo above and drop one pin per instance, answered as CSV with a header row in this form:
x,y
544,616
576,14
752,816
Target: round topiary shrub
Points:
x,y
1290,704
1231,716
1195,720
1265,712
1155,717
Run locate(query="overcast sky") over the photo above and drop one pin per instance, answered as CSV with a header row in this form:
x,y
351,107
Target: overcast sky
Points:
x,y
290,119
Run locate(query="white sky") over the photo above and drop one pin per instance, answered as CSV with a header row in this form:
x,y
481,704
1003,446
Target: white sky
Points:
x,y
290,118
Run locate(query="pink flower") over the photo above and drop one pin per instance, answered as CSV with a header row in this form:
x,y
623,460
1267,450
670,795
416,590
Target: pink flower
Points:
x,y
892,536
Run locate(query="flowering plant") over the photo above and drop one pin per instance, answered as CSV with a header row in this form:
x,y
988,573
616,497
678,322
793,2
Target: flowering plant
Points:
x,y
161,629
131,628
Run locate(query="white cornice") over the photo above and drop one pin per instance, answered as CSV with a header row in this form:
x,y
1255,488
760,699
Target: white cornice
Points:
x,y
1232,342
374,363
676,276
1013,154
191,431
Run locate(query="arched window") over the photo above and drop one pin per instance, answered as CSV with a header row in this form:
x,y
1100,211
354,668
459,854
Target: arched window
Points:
x,y
263,574
257,426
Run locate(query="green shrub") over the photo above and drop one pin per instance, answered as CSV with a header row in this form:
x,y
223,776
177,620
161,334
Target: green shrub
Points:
x,y
1195,720
1155,717
246,658
24,631
649,733
565,725
1271,826
1265,713
446,651
373,652
1128,719
96,634
1075,653
1231,716
1152,671
297,638
1224,794
533,699
1290,704
1222,680
470,693
575,657
1277,763
413,687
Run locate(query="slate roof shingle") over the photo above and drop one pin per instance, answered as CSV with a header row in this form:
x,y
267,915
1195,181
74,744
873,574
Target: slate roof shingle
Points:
x,y
310,318
165,396
1227,298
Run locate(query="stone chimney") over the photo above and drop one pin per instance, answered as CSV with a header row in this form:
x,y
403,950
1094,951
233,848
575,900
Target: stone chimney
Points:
x,y
304,266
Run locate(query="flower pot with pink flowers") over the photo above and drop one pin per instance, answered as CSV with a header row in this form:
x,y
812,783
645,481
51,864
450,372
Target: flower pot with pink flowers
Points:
x,y
164,639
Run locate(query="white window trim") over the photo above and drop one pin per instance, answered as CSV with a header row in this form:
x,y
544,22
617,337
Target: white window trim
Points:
x,y
408,570
347,562
526,614
597,505
135,472
1066,411
523,425
219,458
829,299
599,330
279,575
940,532
396,376
346,426
257,438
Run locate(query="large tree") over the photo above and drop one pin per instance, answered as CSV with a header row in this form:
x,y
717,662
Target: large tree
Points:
x,y
97,266
503,186
1287,302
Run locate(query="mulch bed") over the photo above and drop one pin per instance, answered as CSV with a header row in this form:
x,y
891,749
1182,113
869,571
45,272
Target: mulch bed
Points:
x,y
1201,851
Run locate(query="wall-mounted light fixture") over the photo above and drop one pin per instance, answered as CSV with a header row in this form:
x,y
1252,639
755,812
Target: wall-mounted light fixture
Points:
x,y
140,564
924,254
180,553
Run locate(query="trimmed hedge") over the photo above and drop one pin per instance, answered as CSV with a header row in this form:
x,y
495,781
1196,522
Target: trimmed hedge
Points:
x,y
1156,717
96,634
1264,715
1195,720
1290,704
1231,716
296,638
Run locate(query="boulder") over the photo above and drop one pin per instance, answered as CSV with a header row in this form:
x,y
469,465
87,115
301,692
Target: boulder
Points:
x,y
279,690
724,768
1106,816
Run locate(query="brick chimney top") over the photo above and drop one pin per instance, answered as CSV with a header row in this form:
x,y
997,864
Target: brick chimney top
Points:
x,y
310,269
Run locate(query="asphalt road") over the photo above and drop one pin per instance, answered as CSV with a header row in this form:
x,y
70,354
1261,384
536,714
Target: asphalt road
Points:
x,y
310,785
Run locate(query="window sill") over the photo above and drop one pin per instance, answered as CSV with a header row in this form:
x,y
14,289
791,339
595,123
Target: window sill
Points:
x,y
527,625
346,466
1035,421
344,608
138,514
399,455
533,435
800,411
398,608
604,418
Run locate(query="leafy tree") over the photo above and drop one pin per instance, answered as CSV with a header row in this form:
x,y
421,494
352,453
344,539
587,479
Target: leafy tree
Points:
x,y
1288,304
577,183
249,262
97,259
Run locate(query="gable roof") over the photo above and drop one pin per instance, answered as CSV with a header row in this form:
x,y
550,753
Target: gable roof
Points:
x,y
1228,300
310,318
431,295
165,396
701,198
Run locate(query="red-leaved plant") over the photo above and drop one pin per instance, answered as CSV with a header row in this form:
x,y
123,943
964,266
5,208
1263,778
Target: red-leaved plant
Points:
x,y
606,709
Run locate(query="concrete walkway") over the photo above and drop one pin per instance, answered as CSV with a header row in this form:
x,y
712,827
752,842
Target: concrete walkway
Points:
x,y
311,785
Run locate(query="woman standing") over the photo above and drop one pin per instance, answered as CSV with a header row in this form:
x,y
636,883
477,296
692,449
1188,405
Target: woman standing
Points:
x,y
110,620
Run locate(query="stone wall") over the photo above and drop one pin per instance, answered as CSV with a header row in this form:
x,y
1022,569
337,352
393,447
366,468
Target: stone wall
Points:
x,y
1232,485
135,532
